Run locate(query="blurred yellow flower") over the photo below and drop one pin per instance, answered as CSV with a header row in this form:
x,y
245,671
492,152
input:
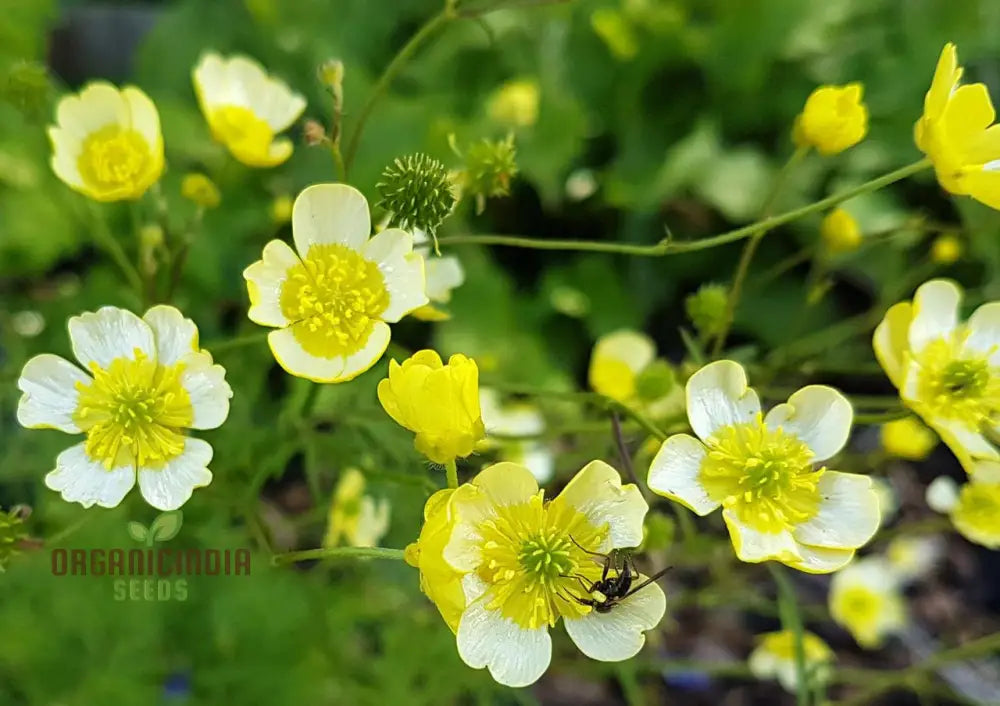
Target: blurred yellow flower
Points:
x,y
957,133
617,361
865,597
437,402
840,232
331,303
107,143
761,471
438,580
947,371
523,559
281,209
976,515
946,249
515,103
355,517
245,108
614,28
201,190
512,420
908,438
912,557
833,119
774,658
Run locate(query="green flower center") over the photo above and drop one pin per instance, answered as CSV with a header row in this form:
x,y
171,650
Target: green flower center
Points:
x,y
955,386
547,556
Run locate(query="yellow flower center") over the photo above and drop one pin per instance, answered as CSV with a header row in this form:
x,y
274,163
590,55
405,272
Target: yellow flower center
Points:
x,y
336,296
244,133
859,607
533,565
764,476
134,411
966,389
113,158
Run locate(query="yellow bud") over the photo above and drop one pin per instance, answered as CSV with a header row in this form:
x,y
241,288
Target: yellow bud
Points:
x,y
908,438
840,232
515,103
833,119
946,249
331,75
201,190
281,209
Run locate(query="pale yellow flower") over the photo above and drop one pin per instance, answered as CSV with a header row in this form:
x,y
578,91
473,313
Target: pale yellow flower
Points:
x,y
774,658
357,518
840,232
912,557
761,470
976,514
866,598
146,383
833,119
908,438
515,103
246,108
107,143
617,361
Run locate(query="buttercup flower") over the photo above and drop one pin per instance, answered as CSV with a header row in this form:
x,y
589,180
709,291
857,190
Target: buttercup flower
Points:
x,y
908,438
107,143
760,470
331,304
437,402
957,133
946,249
515,103
865,598
840,232
976,514
947,371
355,517
146,383
523,561
443,274
774,658
911,557
438,580
245,108
617,361
517,419
833,119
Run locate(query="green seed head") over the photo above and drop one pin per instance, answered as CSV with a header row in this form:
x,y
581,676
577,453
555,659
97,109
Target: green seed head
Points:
x,y
418,191
707,308
489,168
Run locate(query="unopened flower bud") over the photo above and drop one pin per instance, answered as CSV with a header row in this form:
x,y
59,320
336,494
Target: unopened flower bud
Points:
x,y
946,249
201,190
331,75
314,133
840,232
707,308
281,209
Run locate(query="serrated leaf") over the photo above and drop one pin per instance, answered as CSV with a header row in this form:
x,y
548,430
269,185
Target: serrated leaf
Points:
x,y
138,531
166,526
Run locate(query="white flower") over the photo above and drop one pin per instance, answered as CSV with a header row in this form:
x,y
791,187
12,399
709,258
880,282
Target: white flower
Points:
x,y
332,302
942,494
520,419
146,383
865,598
760,471
774,658
913,557
443,274
360,519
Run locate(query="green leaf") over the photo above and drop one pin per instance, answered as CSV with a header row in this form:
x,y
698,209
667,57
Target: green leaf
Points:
x,y
137,531
166,526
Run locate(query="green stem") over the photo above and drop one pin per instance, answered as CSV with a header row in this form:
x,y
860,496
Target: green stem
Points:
x,y
668,247
337,553
881,417
788,607
451,471
395,66
238,342
107,242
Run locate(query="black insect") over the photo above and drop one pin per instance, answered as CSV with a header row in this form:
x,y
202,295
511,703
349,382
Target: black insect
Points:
x,y
608,591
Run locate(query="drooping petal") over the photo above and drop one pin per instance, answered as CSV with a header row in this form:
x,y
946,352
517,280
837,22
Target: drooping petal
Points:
x,y
265,279
205,383
109,333
298,361
935,312
754,546
330,213
718,396
619,633
81,479
848,513
818,415
50,394
170,486
675,470
891,341
597,493
176,336
514,655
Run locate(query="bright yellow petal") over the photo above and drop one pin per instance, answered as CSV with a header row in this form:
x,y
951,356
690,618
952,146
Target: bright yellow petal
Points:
x,y
891,341
946,76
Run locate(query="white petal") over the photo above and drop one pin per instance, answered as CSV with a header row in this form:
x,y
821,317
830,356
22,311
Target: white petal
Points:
x,y
144,118
935,312
175,335
99,104
618,634
330,213
265,279
210,82
984,331
66,148
754,546
636,350
443,275
848,514
891,341
296,360
817,560
718,396
109,333
169,487
50,395
965,442
402,270
539,459
206,385
818,415
515,656
81,479
942,494
357,363
675,470
597,493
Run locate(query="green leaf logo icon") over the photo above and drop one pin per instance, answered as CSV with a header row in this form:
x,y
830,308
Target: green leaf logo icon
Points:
x,y
164,528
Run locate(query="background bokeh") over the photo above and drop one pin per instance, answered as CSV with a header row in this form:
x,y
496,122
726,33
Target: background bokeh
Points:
x,y
654,116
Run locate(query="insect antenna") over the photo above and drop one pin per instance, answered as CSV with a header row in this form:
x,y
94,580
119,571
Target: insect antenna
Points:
x,y
655,577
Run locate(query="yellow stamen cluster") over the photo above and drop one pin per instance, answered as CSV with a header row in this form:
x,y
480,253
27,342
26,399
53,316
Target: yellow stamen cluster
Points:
x,y
765,476
241,131
133,411
957,387
532,564
337,296
113,158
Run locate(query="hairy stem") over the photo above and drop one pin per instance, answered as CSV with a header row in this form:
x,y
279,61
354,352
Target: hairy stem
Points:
x,y
337,553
